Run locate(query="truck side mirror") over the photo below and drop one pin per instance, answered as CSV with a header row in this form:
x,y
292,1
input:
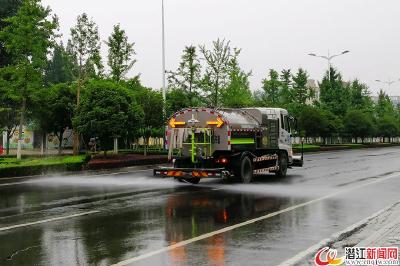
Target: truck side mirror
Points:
x,y
294,127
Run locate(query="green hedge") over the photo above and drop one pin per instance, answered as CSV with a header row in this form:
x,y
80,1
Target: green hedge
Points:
x,y
10,167
307,148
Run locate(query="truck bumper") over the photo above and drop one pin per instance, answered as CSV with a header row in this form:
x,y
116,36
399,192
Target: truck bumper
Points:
x,y
187,173
297,161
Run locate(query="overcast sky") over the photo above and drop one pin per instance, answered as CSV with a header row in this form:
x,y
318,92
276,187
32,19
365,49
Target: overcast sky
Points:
x,y
272,34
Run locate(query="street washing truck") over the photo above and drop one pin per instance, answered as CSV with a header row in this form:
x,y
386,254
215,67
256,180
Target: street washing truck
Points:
x,y
229,143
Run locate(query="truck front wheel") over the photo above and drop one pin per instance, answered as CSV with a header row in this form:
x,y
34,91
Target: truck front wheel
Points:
x,y
283,165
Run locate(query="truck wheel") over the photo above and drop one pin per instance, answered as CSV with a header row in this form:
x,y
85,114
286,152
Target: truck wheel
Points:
x,y
246,170
283,165
189,180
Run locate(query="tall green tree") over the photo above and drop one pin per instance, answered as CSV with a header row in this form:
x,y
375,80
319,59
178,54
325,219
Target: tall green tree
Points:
x,y
8,8
8,112
57,105
387,127
176,100
108,110
187,77
358,124
151,103
286,85
60,68
360,97
334,93
120,53
272,89
300,91
8,102
217,69
28,37
237,94
312,122
84,49
384,106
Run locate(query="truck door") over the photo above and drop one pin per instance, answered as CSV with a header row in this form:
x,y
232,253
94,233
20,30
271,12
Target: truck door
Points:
x,y
285,142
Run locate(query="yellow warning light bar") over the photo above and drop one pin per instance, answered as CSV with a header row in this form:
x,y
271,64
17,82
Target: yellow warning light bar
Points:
x,y
217,123
173,123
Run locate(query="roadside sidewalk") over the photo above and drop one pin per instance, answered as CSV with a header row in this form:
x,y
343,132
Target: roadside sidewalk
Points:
x,y
381,229
386,233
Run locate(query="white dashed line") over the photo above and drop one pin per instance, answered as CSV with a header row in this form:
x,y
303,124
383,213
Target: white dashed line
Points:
x,y
47,220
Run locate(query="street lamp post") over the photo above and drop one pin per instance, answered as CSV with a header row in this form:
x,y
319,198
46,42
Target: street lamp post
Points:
x,y
164,93
387,82
163,61
329,59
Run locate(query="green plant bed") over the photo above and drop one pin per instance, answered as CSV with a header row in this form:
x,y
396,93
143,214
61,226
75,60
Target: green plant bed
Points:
x,y
10,167
306,148
149,151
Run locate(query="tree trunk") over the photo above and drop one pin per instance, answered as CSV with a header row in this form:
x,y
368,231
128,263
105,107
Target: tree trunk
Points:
x,y
60,139
76,134
216,92
42,146
115,145
21,124
8,141
145,146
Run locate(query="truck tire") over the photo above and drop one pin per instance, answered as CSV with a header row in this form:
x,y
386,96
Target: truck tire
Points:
x,y
189,180
283,165
246,170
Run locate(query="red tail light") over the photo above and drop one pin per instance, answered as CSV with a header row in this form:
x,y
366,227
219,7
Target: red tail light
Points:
x,y
222,161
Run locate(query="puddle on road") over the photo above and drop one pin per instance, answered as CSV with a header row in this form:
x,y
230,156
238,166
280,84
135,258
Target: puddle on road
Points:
x,y
277,190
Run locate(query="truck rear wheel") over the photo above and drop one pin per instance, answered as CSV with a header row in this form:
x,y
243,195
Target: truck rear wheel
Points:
x,y
246,170
189,180
283,165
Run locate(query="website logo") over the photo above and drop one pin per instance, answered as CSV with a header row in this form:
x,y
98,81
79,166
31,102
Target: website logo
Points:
x,y
358,256
327,256
372,256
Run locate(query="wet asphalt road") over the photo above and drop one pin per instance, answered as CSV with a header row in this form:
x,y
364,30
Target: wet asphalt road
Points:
x,y
129,214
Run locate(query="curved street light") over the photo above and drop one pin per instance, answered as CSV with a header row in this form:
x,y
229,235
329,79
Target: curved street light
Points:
x,y
388,82
329,59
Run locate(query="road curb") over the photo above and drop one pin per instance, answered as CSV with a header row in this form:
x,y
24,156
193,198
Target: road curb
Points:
x,y
303,256
91,172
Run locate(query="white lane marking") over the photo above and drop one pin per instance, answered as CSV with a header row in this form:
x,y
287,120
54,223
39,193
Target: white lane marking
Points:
x,y
251,221
48,220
